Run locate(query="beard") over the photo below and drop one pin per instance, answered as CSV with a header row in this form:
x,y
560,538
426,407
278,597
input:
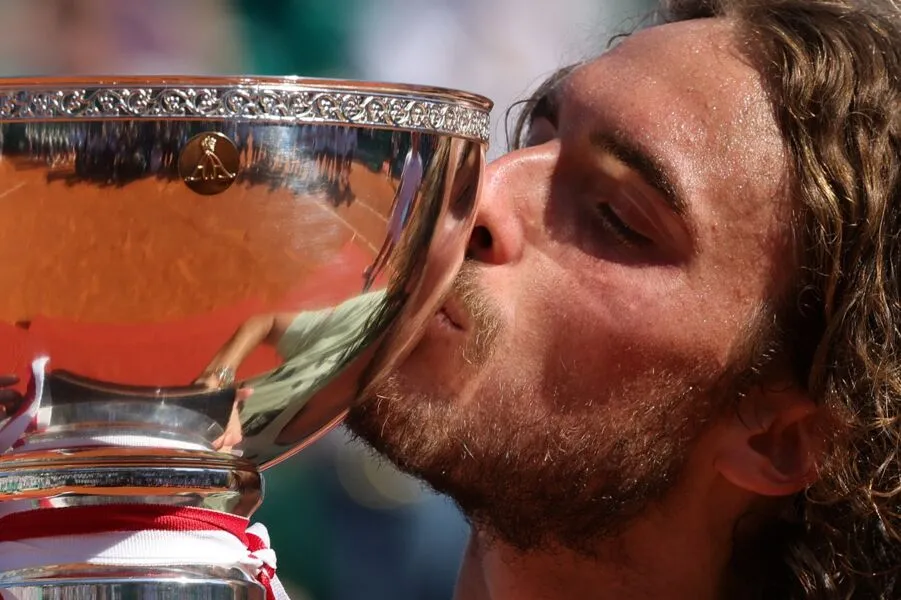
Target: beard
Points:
x,y
533,468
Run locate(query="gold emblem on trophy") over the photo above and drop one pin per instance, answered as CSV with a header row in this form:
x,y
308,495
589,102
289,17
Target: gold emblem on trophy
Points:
x,y
209,163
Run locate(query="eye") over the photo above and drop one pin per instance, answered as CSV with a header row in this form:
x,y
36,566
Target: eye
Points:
x,y
614,225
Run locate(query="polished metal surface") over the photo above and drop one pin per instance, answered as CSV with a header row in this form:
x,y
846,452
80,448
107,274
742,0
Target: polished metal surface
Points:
x,y
251,100
99,582
200,276
90,476
132,283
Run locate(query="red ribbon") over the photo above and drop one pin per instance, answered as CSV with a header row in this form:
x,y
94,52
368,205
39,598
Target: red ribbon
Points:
x,y
108,518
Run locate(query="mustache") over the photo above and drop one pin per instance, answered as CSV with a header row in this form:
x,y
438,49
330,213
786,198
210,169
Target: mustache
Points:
x,y
484,314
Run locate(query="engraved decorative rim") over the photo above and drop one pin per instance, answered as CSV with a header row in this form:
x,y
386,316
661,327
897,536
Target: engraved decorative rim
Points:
x,y
256,99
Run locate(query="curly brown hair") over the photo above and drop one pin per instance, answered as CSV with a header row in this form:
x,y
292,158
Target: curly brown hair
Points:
x,y
832,69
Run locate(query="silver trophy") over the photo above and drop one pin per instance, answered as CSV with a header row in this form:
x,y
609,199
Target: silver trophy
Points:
x,y
199,277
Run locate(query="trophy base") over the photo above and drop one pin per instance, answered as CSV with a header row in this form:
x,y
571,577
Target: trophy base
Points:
x,y
58,478
133,485
99,582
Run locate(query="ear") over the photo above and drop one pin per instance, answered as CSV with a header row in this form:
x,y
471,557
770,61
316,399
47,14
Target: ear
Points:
x,y
771,445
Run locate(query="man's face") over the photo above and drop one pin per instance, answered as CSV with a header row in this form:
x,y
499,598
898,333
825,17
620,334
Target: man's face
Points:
x,y
618,264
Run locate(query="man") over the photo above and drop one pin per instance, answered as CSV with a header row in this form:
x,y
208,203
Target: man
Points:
x,y
670,365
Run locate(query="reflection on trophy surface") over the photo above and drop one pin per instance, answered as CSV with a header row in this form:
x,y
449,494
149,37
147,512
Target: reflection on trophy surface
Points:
x,y
200,277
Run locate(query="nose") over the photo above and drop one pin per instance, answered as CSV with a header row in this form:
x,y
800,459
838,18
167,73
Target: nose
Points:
x,y
511,189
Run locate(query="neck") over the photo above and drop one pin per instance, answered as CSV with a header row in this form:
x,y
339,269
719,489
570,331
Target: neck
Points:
x,y
492,571
665,556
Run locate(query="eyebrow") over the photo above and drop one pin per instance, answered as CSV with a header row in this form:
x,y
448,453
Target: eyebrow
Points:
x,y
638,160
620,148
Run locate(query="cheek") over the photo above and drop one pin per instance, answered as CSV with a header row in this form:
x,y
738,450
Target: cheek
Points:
x,y
606,339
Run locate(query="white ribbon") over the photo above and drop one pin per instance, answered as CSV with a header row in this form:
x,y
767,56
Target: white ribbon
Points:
x,y
146,549
28,412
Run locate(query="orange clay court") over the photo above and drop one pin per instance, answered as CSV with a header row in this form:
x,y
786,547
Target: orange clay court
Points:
x,y
142,283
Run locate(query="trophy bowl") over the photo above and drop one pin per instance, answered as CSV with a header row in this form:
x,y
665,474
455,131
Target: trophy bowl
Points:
x,y
200,276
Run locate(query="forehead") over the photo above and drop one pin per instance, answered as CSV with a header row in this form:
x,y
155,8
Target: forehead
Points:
x,y
686,95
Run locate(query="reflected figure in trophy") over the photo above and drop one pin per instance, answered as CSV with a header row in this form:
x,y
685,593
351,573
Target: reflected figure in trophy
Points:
x,y
407,191
326,351
10,399
314,345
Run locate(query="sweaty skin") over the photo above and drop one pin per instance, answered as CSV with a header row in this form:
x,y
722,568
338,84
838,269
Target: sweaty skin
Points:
x,y
571,396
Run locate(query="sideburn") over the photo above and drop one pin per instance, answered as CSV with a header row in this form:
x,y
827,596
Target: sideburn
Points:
x,y
485,321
